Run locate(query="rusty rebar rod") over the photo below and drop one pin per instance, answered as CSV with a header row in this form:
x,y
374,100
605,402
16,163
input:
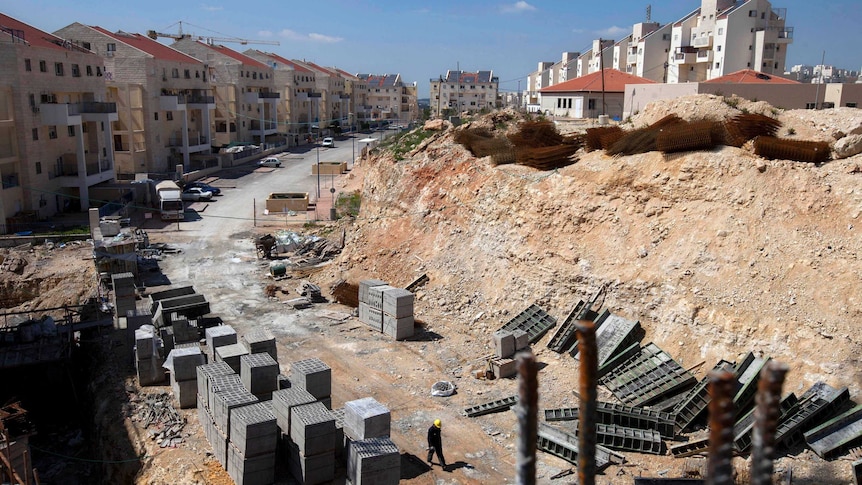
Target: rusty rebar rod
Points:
x,y
589,364
527,411
766,415
721,419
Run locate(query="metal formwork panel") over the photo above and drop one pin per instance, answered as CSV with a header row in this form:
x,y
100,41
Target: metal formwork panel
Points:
x,y
820,401
748,374
491,407
534,321
567,332
647,376
695,402
621,415
614,335
629,439
565,445
615,361
742,429
690,448
836,435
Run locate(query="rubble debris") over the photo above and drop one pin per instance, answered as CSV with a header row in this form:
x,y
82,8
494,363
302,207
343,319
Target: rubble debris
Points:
x,y
442,389
310,291
156,413
265,246
299,303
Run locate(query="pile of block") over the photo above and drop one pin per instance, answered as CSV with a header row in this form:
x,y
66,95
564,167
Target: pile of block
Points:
x,y
307,426
506,343
124,294
183,362
260,340
386,308
148,357
372,457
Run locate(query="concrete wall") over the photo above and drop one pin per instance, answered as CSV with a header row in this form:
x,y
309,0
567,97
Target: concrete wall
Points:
x,y
637,96
786,96
843,94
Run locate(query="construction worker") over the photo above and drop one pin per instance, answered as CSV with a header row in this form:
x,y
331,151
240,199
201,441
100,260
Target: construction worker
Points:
x,y
435,443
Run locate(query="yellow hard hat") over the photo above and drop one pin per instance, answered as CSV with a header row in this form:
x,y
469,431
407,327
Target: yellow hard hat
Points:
x,y
437,423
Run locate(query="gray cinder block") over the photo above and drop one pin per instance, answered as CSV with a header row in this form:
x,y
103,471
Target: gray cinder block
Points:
x,y
253,429
185,362
522,339
312,375
366,418
259,373
398,302
219,336
364,285
203,375
283,400
230,354
504,344
374,461
312,429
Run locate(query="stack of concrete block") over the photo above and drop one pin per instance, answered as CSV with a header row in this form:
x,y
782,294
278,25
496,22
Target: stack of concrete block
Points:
x,y
284,401
157,296
315,377
371,307
135,319
398,321
219,384
184,377
219,336
312,443
261,340
148,359
184,331
190,306
253,440
506,343
224,404
259,374
204,374
373,461
124,294
340,438
366,418
231,354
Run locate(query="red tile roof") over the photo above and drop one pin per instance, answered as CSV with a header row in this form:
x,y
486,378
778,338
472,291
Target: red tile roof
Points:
x,y
148,45
32,35
747,76
287,62
347,75
322,69
244,59
614,82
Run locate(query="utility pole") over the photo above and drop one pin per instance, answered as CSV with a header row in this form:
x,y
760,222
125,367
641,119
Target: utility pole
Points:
x,y
602,69
817,93
439,89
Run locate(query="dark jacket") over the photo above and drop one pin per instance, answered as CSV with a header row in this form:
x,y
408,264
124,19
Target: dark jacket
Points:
x,y
434,437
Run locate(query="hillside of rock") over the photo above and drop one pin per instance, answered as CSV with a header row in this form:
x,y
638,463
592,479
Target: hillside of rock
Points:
x,y
716,253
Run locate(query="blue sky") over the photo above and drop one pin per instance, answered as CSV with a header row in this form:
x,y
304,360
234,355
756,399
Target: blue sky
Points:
x,y
421,40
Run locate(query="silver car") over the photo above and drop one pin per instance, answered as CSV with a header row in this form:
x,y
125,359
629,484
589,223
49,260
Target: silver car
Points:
x,y
269,162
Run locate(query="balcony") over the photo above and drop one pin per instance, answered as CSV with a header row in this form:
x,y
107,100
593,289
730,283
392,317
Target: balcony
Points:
x,y
260,97
96,111
705,41
60,114
172,102
632,59
685,55
201,102
704,56
269,127
97,171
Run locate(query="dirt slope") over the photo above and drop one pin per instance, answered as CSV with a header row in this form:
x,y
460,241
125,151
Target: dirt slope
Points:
x,y
716,253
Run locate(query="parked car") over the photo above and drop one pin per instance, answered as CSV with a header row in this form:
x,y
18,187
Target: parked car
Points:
x,y
269,162
196,194
207,187
327,142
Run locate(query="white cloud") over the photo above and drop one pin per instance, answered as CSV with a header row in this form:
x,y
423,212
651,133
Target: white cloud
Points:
x,y
211,8
265,33
325,39
613,31
519,6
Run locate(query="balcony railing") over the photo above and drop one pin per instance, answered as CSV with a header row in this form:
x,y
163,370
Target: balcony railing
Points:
x,y
702,41
632,59
94,107
201,100
10,181
98,167
270,95
267,125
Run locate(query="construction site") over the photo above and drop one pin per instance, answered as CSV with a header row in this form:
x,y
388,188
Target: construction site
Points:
x,y
674,296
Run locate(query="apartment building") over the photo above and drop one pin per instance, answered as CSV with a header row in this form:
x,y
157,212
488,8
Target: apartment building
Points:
x,y
334,102
357,92
56,140
163,98
246,99
292,81
464,92
390,98
718,38
724,36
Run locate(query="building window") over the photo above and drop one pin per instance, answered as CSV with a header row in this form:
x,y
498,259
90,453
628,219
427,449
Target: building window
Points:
x,y
110,49
35,134
591,104
86,45
38,168
718,48
850,105
752,13
810,105
58,68
43,66
175,73
169,115
721,31
27,66
827,105
187,74
76,70
52,132
156,116
71,130
89,70
717,65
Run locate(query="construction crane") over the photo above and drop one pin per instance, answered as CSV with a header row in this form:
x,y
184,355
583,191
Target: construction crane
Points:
x,y
209,40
